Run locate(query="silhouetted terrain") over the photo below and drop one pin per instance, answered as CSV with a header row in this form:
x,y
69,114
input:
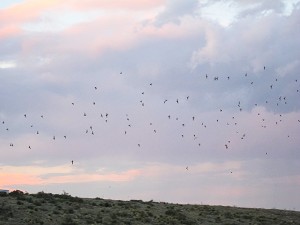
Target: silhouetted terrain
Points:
x,y
17,208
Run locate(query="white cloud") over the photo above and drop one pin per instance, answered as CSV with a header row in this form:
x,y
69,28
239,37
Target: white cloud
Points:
x,y
53,21
7,64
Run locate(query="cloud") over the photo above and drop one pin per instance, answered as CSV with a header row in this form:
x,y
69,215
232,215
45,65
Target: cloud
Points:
x,y
288,69
39,175
175,10
114,4
211,51
9,31
7,64
151,132
248,35
17,14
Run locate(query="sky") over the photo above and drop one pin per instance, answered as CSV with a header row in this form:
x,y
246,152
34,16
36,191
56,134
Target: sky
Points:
x,y
193,102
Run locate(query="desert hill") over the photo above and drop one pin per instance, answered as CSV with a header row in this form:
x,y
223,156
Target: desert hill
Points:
x,y
18,208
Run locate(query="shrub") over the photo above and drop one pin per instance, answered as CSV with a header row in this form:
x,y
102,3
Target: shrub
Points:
x,y
136,200
99,217
70,211
228,215
66,196
23,198
3,194
5,212
218,219
16,193
45,196
171,212
113,216
56,212
19,202
106,220
89,220
106,204
150,213
37,203
94,204
247,216
68,221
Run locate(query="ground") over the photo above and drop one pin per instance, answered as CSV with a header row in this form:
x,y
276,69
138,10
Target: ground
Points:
x,y
45,208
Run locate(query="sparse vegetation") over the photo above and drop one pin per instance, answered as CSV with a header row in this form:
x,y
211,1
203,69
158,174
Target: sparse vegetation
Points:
x,y
46,209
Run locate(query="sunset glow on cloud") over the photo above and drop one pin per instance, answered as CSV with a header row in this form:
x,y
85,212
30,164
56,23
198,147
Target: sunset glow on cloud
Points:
x,y
35,175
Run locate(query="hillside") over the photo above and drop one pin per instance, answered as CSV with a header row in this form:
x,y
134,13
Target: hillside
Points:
x,y
19,208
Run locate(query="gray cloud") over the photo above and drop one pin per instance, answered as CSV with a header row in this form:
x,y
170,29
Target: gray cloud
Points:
x,y
174,10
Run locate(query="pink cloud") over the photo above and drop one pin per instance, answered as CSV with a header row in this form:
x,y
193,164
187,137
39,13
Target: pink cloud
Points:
x,y
8,31
116,4
81,178
25,11
110,31
31,9
120,32
15,176
9,180
105,33
12,18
